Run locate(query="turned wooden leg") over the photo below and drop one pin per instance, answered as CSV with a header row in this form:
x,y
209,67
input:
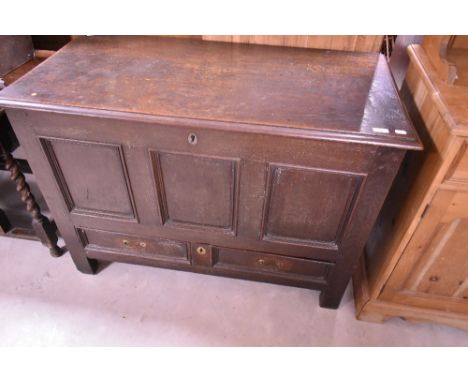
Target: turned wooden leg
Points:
x,y
4,223
43,228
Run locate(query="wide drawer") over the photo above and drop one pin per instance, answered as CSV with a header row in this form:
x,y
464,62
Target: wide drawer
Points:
x,y
205,258
155,248
243,261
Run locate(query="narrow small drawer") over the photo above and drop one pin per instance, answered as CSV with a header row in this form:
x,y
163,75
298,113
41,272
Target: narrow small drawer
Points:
x,y
143,247
258,262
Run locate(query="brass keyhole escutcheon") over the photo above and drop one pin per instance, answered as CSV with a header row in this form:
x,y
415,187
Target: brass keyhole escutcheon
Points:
x,y
125,242
142,244
261,261
192,138
201,251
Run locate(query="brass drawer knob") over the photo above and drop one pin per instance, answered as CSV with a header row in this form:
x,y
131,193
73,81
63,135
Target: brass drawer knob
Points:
x,y
201,251
126,242
278,264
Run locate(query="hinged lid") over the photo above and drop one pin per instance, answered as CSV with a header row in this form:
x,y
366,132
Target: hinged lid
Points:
x,y
288,91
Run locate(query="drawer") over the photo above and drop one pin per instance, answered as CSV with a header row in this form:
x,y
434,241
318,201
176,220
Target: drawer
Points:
x,y
260,263
154,248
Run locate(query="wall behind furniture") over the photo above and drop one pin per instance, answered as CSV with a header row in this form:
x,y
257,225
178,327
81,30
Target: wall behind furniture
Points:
x,y
348,43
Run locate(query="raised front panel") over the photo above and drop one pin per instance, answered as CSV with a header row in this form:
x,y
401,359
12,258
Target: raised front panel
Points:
x,y
92,177
196,191
440,246
308,205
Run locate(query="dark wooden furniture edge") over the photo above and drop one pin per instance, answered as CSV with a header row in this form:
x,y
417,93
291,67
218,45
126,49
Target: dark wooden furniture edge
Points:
x,y
283,131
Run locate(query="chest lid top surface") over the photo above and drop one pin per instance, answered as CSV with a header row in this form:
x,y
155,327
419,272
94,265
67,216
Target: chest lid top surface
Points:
x,y
299,92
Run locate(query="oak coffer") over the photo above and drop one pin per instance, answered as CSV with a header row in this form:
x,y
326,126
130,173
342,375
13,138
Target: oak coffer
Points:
x,y
258,162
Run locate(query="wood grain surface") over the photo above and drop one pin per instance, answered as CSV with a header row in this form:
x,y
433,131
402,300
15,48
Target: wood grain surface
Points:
x,y
419,268
338,92
348,43
194,155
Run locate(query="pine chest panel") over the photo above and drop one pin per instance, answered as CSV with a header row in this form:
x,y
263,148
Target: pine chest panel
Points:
x,y
419,270
265,163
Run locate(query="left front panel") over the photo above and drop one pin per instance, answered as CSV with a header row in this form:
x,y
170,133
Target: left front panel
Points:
x,y
92,177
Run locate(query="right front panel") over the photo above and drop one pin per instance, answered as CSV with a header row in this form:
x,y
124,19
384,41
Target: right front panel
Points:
x,y
308,205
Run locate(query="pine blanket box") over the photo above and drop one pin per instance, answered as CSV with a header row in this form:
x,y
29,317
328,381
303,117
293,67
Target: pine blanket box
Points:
x,y
256,162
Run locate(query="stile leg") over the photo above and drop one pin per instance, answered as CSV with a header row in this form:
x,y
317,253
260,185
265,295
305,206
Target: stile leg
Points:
x,y
85,265
331,297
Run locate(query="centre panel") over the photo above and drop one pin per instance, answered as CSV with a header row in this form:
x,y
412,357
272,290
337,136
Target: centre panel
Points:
x,y
198,192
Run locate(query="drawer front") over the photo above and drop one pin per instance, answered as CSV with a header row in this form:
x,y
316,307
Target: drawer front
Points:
x,y
260,263
205,258
156,248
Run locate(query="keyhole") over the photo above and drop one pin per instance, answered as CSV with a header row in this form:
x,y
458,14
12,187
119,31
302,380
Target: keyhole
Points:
x,y
201,251
192,139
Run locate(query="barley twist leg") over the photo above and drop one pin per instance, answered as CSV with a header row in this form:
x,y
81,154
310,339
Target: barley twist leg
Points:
x,y
42,226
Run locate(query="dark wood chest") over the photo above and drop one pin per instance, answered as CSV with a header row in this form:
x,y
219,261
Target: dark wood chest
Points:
x,y
256,162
